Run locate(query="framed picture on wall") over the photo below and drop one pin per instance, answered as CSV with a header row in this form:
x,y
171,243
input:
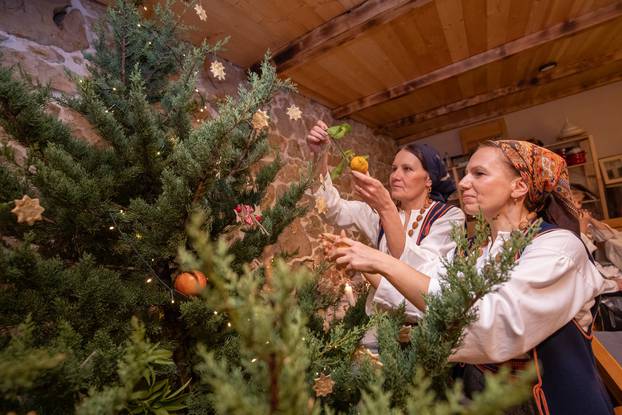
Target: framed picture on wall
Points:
x,y
611,168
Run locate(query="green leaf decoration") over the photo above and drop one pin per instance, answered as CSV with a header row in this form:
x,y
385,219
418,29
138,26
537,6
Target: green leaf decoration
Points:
x,y
337,132
345,161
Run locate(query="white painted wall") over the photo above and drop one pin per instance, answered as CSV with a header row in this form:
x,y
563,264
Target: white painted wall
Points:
x,y
598,111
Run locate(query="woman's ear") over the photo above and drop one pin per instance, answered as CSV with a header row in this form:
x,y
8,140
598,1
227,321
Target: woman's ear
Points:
x,y
428,182
519,188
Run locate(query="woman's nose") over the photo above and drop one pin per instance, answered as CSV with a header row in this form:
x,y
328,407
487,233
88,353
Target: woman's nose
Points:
x,y
465,183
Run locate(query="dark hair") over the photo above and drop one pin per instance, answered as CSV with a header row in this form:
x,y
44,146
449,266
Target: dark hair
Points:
x,y
415,151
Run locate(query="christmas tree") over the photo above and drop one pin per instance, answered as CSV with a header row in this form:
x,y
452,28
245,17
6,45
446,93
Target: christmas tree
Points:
x,y
106,250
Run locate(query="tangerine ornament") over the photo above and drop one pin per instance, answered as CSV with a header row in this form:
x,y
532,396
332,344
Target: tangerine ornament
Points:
x,y
190,283
359,163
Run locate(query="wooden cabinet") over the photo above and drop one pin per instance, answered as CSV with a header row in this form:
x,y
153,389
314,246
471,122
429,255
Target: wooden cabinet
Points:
x,y
586,174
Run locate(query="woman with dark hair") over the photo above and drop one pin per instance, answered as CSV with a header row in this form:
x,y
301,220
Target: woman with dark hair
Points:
x,y
544,309
411,222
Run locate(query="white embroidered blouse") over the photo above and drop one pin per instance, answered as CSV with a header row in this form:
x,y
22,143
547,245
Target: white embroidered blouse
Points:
x,y
437,243
552,283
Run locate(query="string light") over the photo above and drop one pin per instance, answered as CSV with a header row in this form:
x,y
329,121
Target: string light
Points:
x,y
138,25
139,236
158,153
172,299
149,43
229,324
149,280
145,8
111,228
114,89
215,313
254,360
196,89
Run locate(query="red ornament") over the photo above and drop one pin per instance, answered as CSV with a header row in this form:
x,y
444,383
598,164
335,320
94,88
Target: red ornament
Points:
x,y
259,218
238,208
190,283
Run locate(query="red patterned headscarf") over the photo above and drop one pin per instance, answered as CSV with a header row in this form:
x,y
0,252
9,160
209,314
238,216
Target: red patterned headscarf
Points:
x,y
546,176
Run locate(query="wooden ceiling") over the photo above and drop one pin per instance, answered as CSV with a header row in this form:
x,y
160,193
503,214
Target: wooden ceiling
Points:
x,y
413,68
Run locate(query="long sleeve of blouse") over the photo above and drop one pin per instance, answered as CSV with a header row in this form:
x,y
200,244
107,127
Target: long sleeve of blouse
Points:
x,y
345,213
552,283
424,257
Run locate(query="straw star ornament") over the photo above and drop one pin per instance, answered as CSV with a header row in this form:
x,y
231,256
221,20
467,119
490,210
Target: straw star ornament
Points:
x,y
28,210
218,70
200,12
260,120
294,112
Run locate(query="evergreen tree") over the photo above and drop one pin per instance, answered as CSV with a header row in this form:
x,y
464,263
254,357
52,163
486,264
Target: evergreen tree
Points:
x,y
89,320
115,216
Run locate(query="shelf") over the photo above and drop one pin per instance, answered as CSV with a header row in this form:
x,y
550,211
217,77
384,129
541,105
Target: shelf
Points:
x,y
587,163
569,141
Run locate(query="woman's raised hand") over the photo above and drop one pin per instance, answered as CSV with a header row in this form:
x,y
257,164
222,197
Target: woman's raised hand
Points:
x,y
317,137
372,192
352,254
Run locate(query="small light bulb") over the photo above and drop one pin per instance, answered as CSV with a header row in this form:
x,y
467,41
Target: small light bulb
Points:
x,y
149,280
196,89
215,313
158,153
145,8
254,360
138,25
229,324
111,228
138,236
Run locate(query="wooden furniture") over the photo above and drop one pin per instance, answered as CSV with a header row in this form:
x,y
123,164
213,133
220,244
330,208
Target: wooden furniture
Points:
x,y
470,137
586,174
607,348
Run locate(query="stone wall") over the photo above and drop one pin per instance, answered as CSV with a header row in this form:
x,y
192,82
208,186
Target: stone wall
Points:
x,y
48,37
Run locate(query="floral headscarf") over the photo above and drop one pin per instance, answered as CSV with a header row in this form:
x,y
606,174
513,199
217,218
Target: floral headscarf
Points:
x,y
546,176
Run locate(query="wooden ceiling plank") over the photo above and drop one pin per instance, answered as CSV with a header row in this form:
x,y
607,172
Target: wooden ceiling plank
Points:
x,y
499,110
497,16
342,29
558,31
524,85
475,22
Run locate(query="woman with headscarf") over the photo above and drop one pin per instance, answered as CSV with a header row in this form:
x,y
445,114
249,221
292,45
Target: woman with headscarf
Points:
x,y
544,308
411,222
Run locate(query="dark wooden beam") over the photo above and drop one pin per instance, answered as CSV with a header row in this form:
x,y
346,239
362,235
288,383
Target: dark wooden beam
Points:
x,y
341,29
523,85
581,87
552,33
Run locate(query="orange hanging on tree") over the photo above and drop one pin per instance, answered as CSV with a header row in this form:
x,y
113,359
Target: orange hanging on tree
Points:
x,y
190,283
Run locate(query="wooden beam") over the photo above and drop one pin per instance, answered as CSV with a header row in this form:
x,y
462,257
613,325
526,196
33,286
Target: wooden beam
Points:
x,y
584,86
341,29
522,85
552,33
